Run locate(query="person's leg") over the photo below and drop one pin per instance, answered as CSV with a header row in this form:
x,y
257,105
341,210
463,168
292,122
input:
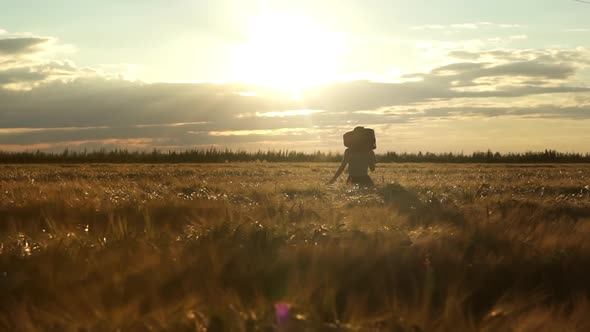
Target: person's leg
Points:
x,y
366,182
361,181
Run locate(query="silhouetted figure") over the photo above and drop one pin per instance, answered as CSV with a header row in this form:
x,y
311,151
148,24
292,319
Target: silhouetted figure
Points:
x,y
359,157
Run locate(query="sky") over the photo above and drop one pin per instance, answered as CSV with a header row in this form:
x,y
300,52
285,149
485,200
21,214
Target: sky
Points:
x,y
440,76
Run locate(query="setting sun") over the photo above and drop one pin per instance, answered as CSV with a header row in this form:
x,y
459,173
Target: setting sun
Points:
x,y
288,52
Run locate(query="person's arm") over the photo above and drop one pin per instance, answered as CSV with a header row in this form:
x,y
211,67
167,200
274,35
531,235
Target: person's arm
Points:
x,y
373,161
341,168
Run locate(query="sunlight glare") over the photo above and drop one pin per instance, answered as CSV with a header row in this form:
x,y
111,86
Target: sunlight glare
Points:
x,y
282,114
288,52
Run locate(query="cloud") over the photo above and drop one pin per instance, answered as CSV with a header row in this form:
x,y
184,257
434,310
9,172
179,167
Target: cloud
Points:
x,y
28,61
265,132
52,103
577,57
468,26
280,114
25,76
188,115
536,112
20,75
464,55
530,68
547,72
135,143
12,131
22,45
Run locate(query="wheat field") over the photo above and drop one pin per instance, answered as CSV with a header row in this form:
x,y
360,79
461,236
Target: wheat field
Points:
x,y
270,247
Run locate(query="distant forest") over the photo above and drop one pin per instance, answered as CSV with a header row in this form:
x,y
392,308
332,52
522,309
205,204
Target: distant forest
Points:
x,y
220,156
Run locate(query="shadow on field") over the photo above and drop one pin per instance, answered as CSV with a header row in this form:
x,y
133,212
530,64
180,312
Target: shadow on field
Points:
x,y
419,211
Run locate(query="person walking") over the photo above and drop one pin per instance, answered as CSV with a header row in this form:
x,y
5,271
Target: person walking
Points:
x,y
359,157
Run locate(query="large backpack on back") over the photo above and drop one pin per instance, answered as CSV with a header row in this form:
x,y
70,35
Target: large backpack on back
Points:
x,y
360,139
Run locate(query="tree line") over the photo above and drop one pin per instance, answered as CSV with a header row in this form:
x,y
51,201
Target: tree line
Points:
x,y
213,155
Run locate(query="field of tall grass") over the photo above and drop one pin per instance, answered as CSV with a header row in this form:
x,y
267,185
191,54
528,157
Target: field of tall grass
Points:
x,y
270,247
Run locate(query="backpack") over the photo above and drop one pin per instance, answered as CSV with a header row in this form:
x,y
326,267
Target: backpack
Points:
x,y
360,138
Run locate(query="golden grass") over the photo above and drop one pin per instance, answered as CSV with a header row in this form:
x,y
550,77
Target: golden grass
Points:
x,y
264,247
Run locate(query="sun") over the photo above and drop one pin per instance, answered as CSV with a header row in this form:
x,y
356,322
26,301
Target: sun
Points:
x,y
288,52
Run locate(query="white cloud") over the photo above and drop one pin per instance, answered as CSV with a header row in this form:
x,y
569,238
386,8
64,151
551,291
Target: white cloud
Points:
x,y
510,26
428,27
468,26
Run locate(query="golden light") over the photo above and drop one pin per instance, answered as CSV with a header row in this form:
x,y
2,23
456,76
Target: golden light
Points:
x,y
288,52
